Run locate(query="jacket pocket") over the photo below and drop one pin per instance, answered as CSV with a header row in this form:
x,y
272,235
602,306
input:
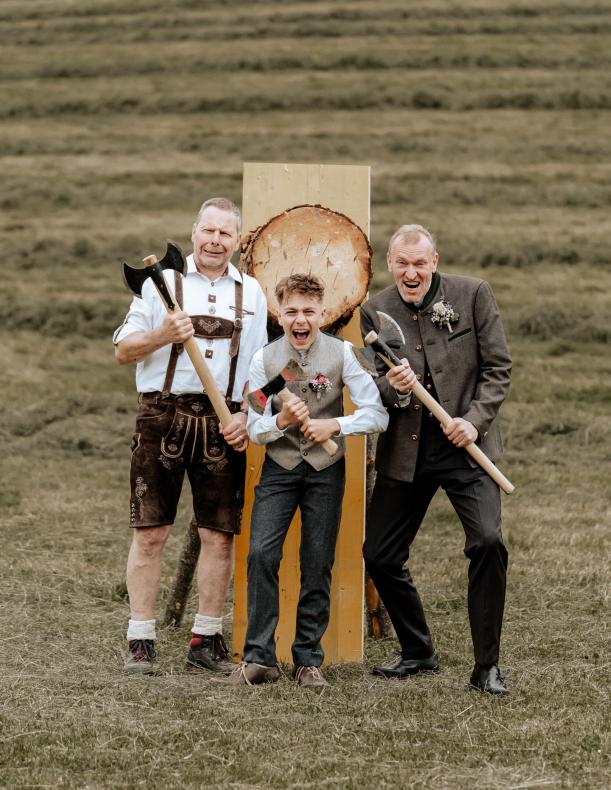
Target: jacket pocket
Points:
x,y
455,335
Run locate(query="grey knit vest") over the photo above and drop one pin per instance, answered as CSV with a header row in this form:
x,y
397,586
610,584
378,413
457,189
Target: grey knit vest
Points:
x,y
325,356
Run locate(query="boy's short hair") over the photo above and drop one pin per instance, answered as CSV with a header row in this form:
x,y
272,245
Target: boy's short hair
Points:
x,y
307,284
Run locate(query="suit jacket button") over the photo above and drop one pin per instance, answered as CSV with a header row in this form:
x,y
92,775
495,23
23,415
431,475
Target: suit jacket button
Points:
x,y
414,436
418,347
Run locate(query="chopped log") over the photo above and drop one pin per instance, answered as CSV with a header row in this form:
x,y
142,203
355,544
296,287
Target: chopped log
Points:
x,y
187,563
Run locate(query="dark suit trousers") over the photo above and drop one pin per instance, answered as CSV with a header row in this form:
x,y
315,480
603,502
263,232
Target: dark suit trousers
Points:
x,y
396,511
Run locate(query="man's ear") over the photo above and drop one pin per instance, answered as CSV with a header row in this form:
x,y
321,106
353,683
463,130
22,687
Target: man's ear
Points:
x,y
388,262
435,261
193,231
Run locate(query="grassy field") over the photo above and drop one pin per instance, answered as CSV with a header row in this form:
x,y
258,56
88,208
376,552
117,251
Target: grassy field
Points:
x,y
487,121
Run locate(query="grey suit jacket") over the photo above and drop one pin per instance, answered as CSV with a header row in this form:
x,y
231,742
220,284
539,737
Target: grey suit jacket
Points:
x,y
470,367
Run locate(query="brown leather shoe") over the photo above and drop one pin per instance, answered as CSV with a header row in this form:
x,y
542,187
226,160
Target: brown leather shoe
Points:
x,y
309,677
140,658
209,652
247,673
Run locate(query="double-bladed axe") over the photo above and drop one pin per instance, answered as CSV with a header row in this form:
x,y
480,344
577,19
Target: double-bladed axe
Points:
x,y
174,260
277,386
389,329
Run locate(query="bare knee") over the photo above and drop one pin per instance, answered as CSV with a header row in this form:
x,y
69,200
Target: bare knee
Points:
x,y
215,542
149,541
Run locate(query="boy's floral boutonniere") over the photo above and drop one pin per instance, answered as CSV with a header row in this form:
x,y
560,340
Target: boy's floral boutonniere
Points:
x,y
319,384
444,315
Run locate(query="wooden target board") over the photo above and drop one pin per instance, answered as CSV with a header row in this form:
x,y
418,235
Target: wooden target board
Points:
x,y
299,211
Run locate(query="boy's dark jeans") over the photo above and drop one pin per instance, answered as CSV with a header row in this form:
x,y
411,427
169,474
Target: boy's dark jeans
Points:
x,y
319,496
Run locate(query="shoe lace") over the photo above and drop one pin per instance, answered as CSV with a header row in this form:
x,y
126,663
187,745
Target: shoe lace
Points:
x,y
314,672
142,648
240,671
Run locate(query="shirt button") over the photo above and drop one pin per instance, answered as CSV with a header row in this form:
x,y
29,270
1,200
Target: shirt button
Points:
x,y
212,309
414,436
428,386
418,347
418,376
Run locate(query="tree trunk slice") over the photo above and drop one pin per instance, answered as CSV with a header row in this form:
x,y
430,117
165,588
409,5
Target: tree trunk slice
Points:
x,y
313,240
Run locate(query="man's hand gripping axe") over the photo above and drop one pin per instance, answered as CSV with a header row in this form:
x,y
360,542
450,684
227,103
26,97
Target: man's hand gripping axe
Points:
x,y
277,386
390,329
175,260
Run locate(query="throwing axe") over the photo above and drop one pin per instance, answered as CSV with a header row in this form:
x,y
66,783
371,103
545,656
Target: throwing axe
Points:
x,y
175,260
277,386
391,330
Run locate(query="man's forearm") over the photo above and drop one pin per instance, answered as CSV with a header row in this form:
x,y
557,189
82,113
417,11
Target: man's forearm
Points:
x,y
138,345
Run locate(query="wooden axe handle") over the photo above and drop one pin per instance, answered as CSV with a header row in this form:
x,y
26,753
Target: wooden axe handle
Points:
x,y
329,446
203,371
444,418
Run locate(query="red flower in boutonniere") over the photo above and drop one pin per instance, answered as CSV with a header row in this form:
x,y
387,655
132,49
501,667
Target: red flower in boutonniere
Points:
x,y
319,384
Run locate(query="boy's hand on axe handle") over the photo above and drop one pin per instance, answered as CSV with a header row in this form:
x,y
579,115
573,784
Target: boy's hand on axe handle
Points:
x,y
320,430
293,411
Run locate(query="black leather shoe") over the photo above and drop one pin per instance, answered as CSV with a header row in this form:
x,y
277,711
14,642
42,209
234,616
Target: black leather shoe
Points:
x,y
488,679
404,667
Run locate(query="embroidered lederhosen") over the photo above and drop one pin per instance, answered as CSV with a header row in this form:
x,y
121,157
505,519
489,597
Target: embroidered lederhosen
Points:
x,y
178,433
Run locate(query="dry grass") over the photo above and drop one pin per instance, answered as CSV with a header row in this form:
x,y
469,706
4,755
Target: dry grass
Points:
x,y
488,122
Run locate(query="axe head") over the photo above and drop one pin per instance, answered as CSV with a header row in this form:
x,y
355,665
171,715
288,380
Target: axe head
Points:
x,y
390,331
173,259
366,357
291,372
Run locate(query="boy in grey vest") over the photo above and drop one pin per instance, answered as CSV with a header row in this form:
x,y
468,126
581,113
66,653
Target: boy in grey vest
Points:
x,y
299,473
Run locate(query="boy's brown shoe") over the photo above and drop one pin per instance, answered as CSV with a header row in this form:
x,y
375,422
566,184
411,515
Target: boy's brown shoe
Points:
x,y
140,659
309,677
247,673
209,652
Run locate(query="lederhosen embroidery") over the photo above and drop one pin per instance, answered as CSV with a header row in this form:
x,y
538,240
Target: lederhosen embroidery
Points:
x,y
209,327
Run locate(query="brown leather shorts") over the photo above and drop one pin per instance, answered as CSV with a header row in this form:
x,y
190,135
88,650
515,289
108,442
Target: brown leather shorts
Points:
x,y
176,435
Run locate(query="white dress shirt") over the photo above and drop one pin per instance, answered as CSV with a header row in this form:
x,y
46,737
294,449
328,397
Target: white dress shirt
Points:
x,y
370,415
148,312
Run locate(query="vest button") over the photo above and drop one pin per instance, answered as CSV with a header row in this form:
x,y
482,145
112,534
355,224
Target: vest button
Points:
x,y
414,437
305,452
414,318
418,376
418,347
304,389
417,407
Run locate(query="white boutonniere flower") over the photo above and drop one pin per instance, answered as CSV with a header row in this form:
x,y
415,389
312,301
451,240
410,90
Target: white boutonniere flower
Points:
x,y
444,315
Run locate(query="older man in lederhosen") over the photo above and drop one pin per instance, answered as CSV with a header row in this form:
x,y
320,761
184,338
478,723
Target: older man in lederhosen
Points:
x,y
177,430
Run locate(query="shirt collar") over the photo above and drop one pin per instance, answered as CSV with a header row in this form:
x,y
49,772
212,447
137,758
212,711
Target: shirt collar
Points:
x,y
231,270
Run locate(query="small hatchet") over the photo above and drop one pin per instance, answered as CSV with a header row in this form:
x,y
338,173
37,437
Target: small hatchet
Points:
x,y
277,386
175,260
390,329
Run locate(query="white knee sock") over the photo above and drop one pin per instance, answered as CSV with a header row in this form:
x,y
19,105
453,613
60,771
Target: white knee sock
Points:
x,y
141,629
207,626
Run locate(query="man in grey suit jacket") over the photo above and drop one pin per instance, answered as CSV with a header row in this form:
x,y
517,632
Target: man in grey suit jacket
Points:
x,y
455,345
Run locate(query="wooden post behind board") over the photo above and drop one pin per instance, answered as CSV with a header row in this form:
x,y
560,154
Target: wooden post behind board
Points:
x,y
269,189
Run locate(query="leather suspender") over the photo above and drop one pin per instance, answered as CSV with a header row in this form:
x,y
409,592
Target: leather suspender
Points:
x,y
177,348
234,344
